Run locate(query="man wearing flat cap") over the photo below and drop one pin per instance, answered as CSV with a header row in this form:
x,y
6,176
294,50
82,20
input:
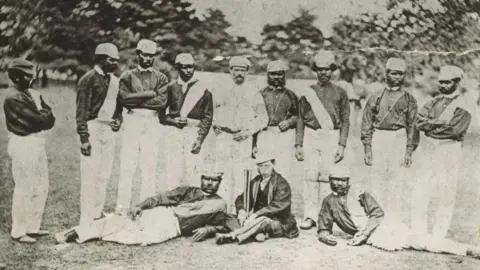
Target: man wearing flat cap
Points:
x,y
359,215
190,106
282,108
444,121
28,118
96,102
143,95
184,211
238,114
389,137
324,121
267,211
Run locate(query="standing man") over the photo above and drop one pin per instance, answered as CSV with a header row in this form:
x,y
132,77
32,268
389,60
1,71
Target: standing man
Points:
x,y
143,95
239,113
282,108
268,209
390,116
324,114
191,112
27,117
96,101
444,120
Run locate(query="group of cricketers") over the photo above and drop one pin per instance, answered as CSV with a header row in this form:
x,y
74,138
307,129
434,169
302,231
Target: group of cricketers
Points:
x,y
251,127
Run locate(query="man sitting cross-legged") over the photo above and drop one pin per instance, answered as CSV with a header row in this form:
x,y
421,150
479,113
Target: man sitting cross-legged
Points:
x,y
183,211
363,218
269,213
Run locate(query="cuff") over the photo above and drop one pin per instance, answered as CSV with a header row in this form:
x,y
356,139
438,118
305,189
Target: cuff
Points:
x,y
410,149
367,148
84,139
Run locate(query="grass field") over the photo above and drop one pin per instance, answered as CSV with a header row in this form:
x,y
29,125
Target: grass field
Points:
x,y
305,252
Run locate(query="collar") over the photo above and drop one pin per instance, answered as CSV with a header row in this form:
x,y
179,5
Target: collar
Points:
x,y
272,88
450,96
181,82
394,89
266,179
99,70
150,69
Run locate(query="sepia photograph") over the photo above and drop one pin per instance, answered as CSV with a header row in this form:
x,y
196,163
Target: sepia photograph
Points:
x,y
240,134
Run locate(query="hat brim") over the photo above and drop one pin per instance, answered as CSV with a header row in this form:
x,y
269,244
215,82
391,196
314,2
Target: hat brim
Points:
x,y
24,70
212,175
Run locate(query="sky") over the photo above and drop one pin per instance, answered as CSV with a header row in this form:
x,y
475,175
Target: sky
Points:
x,y
249,16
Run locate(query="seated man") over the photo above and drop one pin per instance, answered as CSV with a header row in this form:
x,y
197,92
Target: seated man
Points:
x,y
187,211
379,231
267,210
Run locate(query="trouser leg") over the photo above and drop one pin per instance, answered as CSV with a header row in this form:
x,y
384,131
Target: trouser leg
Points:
x,y
148,158
40,190
174,157
447,181
129,159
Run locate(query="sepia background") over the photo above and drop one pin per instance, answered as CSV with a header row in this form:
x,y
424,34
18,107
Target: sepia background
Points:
x,y
60,37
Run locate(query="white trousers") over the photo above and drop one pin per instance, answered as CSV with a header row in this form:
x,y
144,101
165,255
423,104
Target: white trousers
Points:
x,y
320,147
30,174
140,140
181,166
95,170
387,181
281,144
438,180
232,158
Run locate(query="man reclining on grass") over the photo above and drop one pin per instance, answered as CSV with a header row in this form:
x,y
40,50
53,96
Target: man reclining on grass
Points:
x,y
378,230
183,211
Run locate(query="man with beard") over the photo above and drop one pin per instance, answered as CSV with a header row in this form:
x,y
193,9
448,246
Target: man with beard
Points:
x,y
282,108
268,209
96,101
27,117
389,122
362,217
444,120
190,117
143,94
324,121
184,211
239,113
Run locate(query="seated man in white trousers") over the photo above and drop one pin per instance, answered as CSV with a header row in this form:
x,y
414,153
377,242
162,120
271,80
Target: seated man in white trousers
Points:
x,y
362,217
184,211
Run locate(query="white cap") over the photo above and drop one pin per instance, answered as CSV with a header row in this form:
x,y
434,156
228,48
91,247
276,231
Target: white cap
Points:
x,y
396,64
239,61
147,46
107,49
263,157
339,171
210,170
184,59
450,73
324,59
277,65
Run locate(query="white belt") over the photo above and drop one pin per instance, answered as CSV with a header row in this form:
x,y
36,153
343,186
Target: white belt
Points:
x,y
142,112
441,142
38,136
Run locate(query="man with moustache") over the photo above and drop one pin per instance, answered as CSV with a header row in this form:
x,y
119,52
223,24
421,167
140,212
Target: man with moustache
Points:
x,y
96,102
444,121
184,211
239,113
190,117
28,118
143,94
268,211
389,136
324,121
282,108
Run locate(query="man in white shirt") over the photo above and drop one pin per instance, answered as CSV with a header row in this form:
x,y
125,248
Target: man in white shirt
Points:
x,y
239,113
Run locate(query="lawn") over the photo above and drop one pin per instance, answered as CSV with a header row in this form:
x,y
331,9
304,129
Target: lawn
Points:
x,y
305,252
